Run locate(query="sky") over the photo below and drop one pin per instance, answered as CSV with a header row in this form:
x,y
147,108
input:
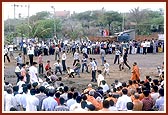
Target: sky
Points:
x,y
8,7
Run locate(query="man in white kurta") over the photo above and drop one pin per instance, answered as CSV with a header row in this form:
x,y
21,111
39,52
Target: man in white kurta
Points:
x,y
9,100
33,73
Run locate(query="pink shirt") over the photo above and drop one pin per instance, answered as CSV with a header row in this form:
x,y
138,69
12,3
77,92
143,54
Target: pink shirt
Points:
x,y
40,59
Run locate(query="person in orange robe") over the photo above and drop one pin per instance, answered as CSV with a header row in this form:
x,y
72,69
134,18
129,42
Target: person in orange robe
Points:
x,y
135,72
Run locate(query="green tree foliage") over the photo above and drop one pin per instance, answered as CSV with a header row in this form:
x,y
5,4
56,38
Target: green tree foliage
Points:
x,y
89,23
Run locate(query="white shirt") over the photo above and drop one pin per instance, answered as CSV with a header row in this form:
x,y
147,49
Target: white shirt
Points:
x,y
99,79
154,96
10,48
9,102
76,55
70,102
65,96
23,100
57,49
20,83
5,51
117,52
105,87
93,65
18,98
113,108
63,56
106,66
121,59
122,102
49,104
32,72
30,52
17,69
32,103
24,45
57,64
75,106
118,85
84,50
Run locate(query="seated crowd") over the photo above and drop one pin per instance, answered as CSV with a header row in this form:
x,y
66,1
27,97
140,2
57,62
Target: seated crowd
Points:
x,y
54,95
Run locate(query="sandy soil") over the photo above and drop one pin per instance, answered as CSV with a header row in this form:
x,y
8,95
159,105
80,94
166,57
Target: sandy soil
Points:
x,y
147,64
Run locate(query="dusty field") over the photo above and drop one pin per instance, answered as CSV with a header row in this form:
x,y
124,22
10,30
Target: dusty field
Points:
x,y
147,64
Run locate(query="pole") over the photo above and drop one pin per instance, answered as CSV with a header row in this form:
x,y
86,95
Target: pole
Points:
x,y
54,21
28,21
123,22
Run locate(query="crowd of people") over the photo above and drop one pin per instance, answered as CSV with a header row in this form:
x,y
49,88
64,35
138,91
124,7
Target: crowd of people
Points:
x,y
32,93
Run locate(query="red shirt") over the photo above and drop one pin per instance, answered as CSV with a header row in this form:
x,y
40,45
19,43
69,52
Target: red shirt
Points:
x,y
47,67
58,100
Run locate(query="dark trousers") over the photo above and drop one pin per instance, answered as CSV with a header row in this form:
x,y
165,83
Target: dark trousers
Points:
x,y
63,65
41,68
144,50
27,78
31,59
121,66
116,58
58,69
71,74
73,50
125,62
74,62
57,56
84,65
18,75
6,55
93,76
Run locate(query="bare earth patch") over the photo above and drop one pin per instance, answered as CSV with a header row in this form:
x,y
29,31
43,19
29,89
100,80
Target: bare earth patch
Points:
x,y
147,64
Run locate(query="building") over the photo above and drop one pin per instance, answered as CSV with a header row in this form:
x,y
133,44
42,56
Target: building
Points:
x,y
62,14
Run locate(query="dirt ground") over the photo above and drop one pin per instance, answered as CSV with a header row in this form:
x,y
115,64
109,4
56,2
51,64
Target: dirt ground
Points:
x,y
147,64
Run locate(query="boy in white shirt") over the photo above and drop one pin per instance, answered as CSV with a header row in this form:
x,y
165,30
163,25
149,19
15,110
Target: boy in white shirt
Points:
x,y
106,68
121,65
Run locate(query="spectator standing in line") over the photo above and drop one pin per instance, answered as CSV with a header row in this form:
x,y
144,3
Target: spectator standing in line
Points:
x,y
64,61
102,55
31,55
117,54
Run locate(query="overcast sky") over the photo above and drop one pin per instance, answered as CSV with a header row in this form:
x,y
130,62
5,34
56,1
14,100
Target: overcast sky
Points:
x,y
8,7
